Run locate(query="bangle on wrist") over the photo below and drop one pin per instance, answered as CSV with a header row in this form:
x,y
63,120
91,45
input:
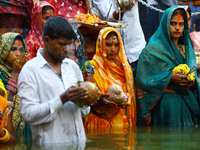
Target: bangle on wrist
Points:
x,y
11,88
6,137
12,82
126,100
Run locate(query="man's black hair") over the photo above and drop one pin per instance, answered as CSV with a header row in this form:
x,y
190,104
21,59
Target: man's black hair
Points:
x,y
56,27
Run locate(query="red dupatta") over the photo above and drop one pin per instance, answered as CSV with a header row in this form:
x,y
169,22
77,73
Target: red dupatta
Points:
x,y
34,40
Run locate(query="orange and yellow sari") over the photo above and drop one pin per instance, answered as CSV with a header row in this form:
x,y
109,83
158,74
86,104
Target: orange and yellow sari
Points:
x,y
108,72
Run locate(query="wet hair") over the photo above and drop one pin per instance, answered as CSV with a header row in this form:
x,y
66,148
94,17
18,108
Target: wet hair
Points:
x,y
179,10
45,8
56,27
111,33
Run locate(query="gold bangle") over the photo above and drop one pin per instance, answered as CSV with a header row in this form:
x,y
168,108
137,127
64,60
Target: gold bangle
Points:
x,y
124,103
6,137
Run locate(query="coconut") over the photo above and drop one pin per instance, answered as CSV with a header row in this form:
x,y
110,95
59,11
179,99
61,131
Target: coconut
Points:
x,y
116,94
93,90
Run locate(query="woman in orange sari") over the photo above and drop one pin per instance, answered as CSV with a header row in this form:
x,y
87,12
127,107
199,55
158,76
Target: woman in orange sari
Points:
x,y
112,68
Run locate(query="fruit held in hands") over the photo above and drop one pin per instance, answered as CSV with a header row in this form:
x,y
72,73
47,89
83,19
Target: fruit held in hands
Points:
x,y
184,69
116,94
93,90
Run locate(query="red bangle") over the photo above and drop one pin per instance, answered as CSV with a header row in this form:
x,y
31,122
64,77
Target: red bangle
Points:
x,y
11,88
12,84
12,80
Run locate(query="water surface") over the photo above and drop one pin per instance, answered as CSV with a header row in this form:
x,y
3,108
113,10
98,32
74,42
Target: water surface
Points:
x,y
137,138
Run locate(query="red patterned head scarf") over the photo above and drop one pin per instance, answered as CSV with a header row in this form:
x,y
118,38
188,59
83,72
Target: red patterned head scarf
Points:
x,y
34,40
68,8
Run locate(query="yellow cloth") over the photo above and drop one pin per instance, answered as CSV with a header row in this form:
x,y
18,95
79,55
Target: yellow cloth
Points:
x,y
2,86
3,105
108,72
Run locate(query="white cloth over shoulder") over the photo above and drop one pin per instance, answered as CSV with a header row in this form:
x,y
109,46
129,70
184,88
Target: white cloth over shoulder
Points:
x,y
132,35
41,106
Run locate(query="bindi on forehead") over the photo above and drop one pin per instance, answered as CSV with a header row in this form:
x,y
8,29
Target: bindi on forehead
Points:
x,y
18,43
114,39
179,17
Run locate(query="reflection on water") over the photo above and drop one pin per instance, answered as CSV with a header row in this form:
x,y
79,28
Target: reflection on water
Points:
x,y
140,138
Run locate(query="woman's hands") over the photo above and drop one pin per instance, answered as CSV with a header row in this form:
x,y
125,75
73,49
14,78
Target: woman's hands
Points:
x,y
19,62
103,101
17,65
181,79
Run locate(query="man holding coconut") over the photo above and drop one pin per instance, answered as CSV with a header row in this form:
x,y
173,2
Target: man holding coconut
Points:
x,y
50,100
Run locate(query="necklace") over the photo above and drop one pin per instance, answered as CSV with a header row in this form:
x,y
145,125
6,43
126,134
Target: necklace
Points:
x,y
180,48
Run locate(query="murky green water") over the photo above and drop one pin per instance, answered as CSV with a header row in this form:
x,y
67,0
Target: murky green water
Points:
x,y
140,138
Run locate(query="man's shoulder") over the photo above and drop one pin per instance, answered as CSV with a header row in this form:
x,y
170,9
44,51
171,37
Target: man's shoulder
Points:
x,y
69,61
32,63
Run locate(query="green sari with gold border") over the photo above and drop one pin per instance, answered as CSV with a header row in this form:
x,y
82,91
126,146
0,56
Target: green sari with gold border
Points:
x,y
6,42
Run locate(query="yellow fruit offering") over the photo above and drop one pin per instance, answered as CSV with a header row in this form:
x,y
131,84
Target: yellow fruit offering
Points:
x,y
87,18
93,90
184,69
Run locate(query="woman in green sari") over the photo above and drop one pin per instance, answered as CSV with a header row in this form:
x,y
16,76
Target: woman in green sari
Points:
x,y
12,58
166,98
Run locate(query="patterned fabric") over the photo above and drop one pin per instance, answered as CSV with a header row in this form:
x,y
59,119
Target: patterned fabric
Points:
x,y
2,86
80,58
7,41
68,8
153,75
34,40
16,7
108,72
3,106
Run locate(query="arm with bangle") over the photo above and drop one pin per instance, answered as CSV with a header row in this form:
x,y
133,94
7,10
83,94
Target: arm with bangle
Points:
x,y
12,85
7,134
12,81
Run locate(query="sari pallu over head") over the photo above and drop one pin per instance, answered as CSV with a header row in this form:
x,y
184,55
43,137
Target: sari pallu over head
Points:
x,y
6,43
34,40
107,72
156,63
